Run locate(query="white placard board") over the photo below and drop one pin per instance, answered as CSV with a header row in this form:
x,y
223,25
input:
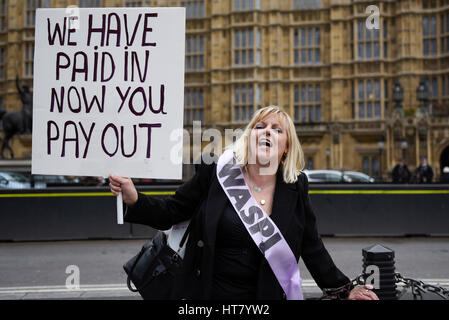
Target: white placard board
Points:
x,y
108,91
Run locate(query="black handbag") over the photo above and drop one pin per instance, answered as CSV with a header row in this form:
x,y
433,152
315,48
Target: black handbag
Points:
x,y
153,269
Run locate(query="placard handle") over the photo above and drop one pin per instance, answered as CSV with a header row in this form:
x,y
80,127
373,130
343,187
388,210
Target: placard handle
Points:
x,y
119,208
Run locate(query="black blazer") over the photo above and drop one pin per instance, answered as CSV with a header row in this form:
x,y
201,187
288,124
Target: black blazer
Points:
x,y
203,198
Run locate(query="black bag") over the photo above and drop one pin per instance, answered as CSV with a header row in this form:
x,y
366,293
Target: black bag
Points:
x,y
153,269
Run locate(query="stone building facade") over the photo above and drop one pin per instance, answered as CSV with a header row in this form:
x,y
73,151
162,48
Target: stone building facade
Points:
x,y
318,59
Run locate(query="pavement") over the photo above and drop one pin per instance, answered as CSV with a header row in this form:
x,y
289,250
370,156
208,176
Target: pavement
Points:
x,y
44,270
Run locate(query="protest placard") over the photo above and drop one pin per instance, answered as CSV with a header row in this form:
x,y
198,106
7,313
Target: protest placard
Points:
x,y
108,91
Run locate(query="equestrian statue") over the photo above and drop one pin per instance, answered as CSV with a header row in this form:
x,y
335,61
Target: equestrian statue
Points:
x,y
17,121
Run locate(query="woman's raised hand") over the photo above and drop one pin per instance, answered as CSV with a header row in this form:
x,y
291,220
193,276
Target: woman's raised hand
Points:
x,y
125,186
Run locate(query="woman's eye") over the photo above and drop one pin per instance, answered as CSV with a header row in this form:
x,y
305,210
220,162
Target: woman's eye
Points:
x,y
278,130
258,126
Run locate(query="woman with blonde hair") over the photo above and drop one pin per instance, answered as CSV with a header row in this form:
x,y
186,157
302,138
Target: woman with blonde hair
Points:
x,y
251,220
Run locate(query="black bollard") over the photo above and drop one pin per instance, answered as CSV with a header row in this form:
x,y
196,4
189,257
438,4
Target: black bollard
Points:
x,y
383,258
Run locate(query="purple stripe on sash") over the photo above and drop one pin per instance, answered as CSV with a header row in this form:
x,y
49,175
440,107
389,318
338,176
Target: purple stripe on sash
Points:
x,y
261,228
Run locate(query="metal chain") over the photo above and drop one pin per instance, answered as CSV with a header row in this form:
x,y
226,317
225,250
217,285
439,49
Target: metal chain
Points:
x,y
417,287
343,291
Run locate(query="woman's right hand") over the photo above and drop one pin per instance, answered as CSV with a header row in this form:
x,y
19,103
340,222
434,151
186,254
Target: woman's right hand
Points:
x,y
125,186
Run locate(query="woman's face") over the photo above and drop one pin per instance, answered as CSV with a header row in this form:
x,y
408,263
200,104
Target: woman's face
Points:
x,y
268,141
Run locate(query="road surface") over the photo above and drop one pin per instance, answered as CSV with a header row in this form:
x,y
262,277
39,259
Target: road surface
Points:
x,y
37,270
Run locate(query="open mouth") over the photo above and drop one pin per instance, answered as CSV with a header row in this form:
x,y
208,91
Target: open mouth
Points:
x,y
265,143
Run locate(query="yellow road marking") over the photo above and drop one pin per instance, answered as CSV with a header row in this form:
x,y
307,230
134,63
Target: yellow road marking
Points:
x,y
77,194
164,193
378,191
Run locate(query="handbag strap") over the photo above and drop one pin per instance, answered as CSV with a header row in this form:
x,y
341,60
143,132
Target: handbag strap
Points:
x,y
189,227
184,237
128,283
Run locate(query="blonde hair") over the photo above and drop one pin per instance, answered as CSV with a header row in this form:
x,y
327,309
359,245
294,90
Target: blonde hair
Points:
x,y
292,163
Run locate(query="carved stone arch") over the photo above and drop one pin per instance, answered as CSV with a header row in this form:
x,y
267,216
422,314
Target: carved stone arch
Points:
x,y
441,149
443,144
